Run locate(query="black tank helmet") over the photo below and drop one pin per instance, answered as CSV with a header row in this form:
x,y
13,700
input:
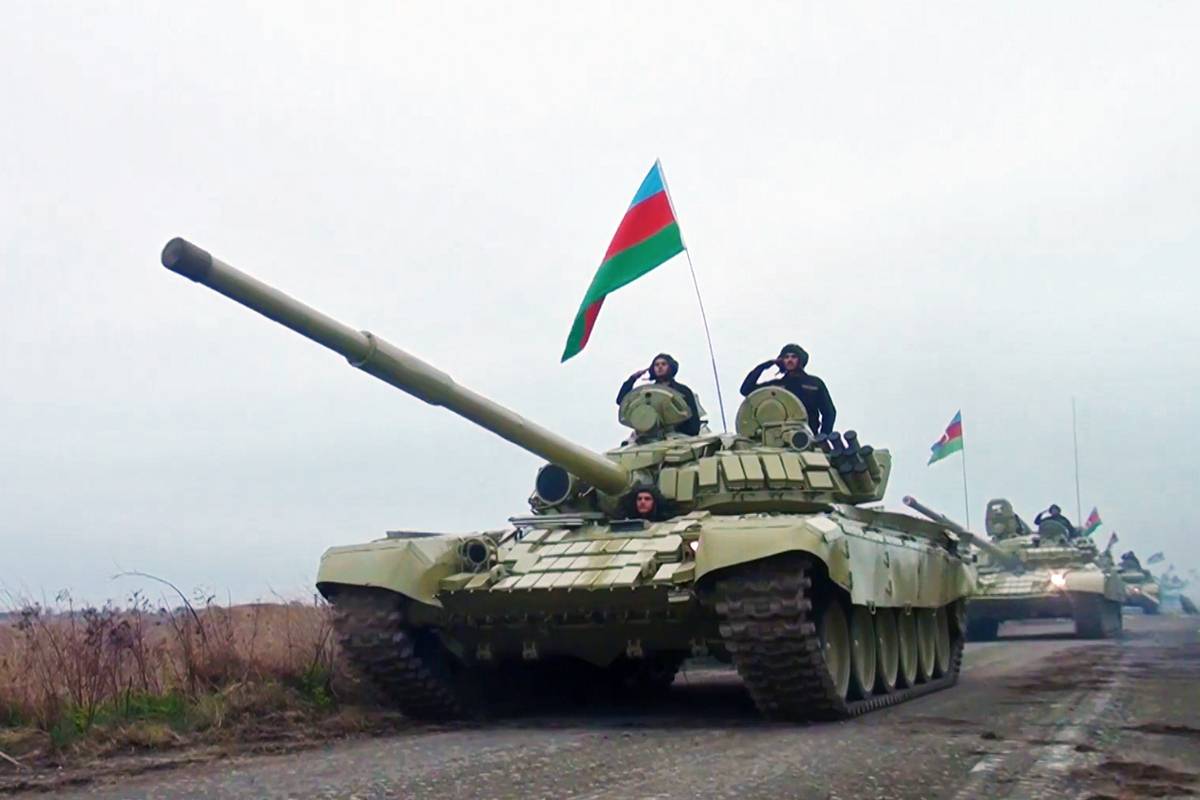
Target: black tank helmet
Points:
x,y
672,365
797,351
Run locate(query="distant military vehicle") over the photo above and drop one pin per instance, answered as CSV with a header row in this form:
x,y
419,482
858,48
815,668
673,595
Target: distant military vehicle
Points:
x,y
1172,586
766,555
1053,572
1141,589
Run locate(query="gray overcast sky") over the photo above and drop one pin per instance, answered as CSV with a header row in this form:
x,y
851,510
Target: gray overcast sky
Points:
x,y
950,206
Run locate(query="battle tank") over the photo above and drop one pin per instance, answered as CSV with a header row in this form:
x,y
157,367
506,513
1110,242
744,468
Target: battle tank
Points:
x,y
768,556
1141,589
1050,573
1172,595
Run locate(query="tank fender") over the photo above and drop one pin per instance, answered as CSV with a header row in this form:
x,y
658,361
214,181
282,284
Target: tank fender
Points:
x,y
411,567
1094,581
875,568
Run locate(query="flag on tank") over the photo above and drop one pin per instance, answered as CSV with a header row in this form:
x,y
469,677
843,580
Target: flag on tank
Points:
x,y
647,237
1092,523
950,442
1113,539
1155,558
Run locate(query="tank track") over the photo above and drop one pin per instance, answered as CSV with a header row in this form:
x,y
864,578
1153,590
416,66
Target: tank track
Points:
x,y
407,667
764,619
1096,617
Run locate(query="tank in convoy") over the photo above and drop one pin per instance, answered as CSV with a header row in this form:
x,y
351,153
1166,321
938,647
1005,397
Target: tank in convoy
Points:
x,y
1052,572
755,547
1142,590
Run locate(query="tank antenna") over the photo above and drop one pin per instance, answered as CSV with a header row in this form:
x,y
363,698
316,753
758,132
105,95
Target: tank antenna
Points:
x,y
699,300
1075,441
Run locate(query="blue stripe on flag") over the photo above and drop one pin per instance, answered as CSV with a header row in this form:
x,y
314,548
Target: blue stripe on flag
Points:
x,y
652,185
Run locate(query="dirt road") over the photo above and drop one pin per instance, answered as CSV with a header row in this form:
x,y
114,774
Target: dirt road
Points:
x,y
1036,715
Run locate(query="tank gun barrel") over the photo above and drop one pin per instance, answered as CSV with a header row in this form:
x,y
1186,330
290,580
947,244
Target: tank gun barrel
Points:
x,y
392,365
1007,559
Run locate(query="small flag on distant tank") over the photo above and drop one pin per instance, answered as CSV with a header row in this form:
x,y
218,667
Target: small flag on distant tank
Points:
x,y
1092,523
1155,558
951,441
647,237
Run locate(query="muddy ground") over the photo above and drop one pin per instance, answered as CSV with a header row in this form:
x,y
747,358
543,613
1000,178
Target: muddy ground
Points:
x,y
1036,715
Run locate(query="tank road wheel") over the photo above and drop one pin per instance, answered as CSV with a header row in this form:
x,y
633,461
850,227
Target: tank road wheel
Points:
x,y
863,655
941,657
795,669
887,650
906,625
926,643
835,645
982,630
410,667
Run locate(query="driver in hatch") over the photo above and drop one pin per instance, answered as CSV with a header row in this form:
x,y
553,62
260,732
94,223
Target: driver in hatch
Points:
x,y
663,370
646,503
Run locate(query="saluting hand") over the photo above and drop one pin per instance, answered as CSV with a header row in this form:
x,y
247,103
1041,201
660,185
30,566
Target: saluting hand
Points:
x,y
639,373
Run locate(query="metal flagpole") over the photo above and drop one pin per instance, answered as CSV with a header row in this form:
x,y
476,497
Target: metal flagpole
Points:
x,y
699,300
1075,440
966,500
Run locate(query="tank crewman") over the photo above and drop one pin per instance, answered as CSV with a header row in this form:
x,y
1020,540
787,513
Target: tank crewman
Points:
x,y
1054,514
662,370
644,502
810,389
1129,560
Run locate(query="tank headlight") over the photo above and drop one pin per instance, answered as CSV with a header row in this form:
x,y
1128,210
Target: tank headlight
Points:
x,y
695,545
1058,579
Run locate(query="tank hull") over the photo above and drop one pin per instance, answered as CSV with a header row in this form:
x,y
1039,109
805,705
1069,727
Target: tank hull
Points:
x,y
1085,594
1144,595
614,595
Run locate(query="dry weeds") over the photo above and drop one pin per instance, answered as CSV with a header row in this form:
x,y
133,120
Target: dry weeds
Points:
x,y
81,682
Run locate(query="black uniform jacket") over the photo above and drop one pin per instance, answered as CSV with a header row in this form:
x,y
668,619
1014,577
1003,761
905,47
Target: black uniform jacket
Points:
x,y
809,388
1046,516
691,425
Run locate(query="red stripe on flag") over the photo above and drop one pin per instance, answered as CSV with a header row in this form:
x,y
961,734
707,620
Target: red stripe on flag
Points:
x,y
589,321
641,222
953,432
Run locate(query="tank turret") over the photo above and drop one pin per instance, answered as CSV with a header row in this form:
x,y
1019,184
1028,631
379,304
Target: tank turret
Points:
x,y
1001,556
773,462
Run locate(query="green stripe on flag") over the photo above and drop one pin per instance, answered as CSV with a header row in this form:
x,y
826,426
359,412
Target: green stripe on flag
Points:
x,y
623,268
951,447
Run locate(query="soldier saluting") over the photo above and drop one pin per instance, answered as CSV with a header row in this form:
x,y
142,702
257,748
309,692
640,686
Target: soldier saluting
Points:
x,y
811,390
662,371
1054,514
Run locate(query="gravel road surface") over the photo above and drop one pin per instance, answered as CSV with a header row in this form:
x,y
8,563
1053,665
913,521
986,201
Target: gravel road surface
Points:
x,y
1036,715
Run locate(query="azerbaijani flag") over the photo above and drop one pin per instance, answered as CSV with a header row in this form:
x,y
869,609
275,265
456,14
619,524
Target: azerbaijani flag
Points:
x,y
646,237
1092,523
951,441
1157,557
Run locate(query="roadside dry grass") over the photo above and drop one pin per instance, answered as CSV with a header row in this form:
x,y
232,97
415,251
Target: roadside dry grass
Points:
x,y
79,684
